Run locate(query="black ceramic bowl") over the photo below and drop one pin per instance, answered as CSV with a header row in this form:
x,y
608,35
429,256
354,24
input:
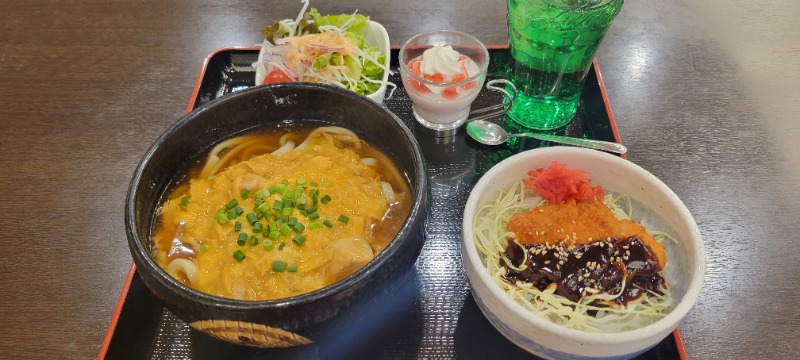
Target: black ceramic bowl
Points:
x,y
294,320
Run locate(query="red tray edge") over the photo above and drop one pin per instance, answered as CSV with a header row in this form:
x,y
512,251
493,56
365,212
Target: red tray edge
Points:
x,y
124,292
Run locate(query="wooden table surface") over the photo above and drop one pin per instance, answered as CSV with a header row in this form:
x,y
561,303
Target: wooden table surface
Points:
x,y
706,97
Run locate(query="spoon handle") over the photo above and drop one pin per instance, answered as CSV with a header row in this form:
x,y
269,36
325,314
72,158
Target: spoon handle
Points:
x,y
587,143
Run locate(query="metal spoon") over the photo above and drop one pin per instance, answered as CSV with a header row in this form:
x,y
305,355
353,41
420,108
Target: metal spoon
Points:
x,y
489,133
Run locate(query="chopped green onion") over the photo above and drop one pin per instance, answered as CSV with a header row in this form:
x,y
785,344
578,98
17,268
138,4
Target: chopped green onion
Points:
x,y
301,206
273,226
238,255
281,246
328,223
279,266
238,211
222,211
203,248
287,211
285,230
231,214
257,202
268,245
237,225
343,218
263,208
325,199
232,204
292,221
259,215
292,268
273,190
299,239
258,226
314,192
222,219
300,181
314,225
253,241
274,235
277,205
281,188
299,227
285,182
313,183
298,192
314,216
311,209
251,218
244,194
288,203
262,194
242,239
184,200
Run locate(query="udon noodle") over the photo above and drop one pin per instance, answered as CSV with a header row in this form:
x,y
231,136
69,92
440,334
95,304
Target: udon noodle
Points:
x,y
280,214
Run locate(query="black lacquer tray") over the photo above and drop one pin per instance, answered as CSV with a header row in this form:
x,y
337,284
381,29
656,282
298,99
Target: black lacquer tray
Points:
x,y
432,314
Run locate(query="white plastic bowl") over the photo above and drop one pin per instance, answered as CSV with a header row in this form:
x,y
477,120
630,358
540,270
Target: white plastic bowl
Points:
x,y
685,267
374,34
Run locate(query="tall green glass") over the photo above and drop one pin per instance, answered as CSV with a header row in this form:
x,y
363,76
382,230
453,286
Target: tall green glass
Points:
x,y
552,44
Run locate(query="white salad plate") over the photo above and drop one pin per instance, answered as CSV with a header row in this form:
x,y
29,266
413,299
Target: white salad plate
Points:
x,y
375,35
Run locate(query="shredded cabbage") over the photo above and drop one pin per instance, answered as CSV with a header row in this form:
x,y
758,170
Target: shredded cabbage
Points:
x,y
491,240
360,68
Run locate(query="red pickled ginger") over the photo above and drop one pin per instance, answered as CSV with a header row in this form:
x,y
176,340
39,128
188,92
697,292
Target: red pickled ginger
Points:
x,y
557,184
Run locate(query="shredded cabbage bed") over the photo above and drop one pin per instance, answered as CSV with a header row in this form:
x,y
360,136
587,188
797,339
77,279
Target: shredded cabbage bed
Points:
x,y
360,68
491,240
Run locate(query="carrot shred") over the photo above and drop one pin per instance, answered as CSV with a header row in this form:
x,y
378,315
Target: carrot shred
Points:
x,y
557,184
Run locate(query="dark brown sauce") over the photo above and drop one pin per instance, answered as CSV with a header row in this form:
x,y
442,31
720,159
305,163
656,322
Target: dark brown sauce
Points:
x,y
600,265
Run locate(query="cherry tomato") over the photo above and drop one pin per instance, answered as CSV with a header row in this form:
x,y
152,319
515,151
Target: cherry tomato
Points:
x,y
275,76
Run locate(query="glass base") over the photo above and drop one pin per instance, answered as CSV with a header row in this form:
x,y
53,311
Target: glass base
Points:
x,y
439,129
543,114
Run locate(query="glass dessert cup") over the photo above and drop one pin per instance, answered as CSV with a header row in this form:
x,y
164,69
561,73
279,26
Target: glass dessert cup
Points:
x,y
440,105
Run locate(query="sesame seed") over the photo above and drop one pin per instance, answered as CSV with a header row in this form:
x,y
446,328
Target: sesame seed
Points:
x,y
580,278
628,252
541,210
547,262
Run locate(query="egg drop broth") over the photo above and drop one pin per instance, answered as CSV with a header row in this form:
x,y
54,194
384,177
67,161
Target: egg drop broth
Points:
x,y
353,227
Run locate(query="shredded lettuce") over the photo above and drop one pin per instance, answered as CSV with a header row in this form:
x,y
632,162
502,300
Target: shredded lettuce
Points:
x,y
364,67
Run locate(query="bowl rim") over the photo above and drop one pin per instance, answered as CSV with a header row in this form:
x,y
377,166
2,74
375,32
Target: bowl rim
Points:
x,y
667,323
418,208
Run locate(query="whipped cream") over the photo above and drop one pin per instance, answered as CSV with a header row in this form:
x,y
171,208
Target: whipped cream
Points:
x,y
441,59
